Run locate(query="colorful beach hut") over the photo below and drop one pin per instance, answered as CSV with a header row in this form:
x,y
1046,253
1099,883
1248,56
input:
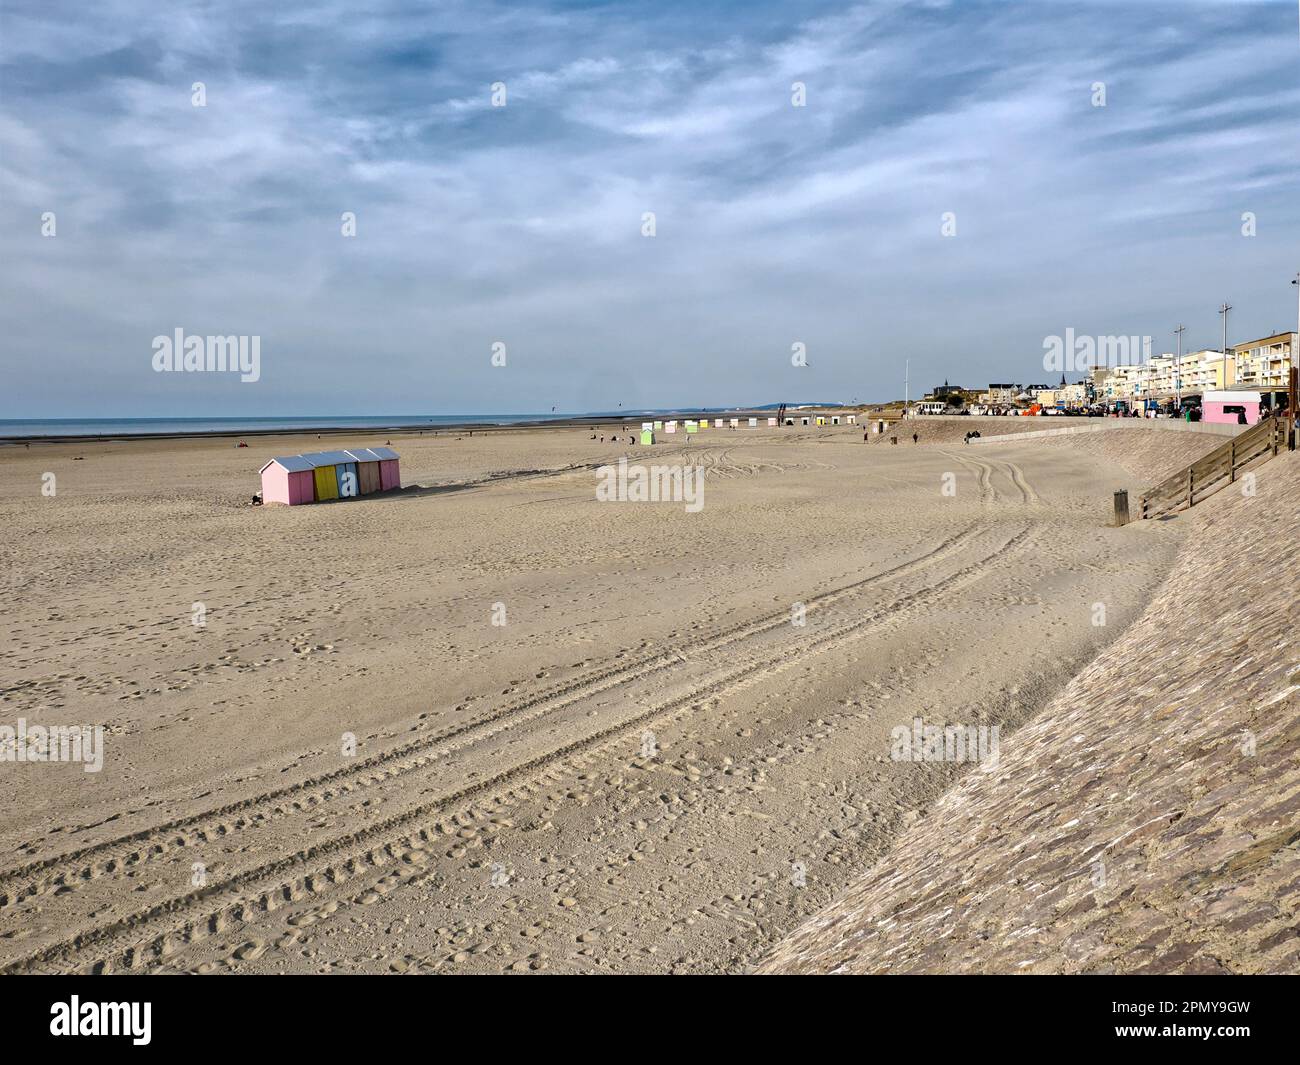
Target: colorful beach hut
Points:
x,y
389,474
325,470
288,480
368,476
647,436
1231,406
324,475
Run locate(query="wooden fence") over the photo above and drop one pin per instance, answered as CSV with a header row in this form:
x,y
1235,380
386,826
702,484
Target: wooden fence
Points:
x,y
1216,470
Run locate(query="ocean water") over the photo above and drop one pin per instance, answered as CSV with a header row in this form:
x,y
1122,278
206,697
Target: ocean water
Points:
x,y
33,427
19,428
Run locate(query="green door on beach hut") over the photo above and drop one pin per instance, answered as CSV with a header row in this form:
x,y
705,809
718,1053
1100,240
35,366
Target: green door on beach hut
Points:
x,y
647,436
327,483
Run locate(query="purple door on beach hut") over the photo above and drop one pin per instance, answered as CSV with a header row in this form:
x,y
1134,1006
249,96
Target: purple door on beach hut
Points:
x,y
288,480
389,475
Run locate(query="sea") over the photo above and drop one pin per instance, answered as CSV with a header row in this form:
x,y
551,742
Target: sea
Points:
x,y
30,428
19,428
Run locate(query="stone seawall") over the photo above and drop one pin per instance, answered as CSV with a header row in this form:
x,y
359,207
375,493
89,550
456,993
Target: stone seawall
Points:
x,y
1147,820
1167,425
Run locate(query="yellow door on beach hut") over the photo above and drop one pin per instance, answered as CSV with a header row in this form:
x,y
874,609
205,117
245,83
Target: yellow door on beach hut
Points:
x,y
327,482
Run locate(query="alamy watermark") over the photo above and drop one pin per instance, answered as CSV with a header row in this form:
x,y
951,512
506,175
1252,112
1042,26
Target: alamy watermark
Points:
x,y
213,354
77,1018
53,743
1079,354
655,484
945,743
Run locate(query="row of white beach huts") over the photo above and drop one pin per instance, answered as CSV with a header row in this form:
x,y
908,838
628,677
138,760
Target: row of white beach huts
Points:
x,y
648,429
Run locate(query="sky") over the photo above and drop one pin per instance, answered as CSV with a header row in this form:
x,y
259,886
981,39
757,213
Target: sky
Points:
x,y
948,195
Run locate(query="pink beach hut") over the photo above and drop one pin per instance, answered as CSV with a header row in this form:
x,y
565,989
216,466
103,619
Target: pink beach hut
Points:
x,y
289,479
1231,407
389,474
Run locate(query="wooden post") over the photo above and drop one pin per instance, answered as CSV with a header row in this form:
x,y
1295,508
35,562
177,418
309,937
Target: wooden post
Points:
x,y
1191,488
1121,507
1293,379
1232,460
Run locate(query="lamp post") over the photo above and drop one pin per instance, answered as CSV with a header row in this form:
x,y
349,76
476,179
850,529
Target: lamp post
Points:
x,y
1291,367
1178,369
1224,311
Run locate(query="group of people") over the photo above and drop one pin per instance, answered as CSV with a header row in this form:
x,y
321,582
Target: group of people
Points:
x,y
916,439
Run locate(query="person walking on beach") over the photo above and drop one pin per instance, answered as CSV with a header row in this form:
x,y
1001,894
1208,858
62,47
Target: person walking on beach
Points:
x,y
915,439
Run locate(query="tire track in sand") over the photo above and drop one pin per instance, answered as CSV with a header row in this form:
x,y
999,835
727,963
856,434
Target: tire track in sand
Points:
x,y
312,869
66,872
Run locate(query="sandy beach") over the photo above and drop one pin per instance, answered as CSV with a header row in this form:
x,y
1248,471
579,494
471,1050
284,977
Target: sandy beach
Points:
x,y
589,736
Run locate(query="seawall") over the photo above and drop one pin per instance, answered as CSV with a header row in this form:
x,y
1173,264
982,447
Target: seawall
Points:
x,y
1147,820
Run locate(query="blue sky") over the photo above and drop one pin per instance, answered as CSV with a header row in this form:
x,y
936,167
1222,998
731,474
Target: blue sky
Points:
x,y
522,224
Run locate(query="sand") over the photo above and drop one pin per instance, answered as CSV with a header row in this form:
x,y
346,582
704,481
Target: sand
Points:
x,y
648,768
1147,820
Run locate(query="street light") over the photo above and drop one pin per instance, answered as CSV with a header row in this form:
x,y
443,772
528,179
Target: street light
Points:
x,y
1291,363
1178,370
1224,311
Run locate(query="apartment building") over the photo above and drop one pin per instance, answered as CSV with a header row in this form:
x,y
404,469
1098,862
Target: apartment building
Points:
x,y
1110,384
1159,378
1264,363
1197,372
1064,395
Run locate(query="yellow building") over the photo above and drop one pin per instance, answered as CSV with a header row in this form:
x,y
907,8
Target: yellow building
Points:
x,y
1265,363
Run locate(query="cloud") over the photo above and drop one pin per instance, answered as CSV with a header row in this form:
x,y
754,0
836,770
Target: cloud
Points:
x,y
522,223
